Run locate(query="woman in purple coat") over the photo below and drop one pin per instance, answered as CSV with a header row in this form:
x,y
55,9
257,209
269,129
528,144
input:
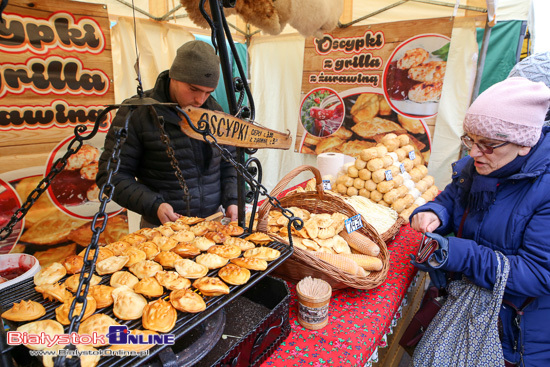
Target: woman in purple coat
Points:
x,y
499,200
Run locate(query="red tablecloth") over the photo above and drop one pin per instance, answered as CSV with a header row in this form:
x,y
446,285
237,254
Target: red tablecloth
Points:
x,y
357,319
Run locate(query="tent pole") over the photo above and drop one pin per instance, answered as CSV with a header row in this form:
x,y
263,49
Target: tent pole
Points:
x,y
481,60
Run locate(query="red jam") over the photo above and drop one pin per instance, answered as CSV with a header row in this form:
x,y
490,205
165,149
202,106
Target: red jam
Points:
x,y
69,188
13,273
398,82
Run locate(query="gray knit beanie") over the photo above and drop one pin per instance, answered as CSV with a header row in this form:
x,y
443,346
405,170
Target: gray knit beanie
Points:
x,y
196,63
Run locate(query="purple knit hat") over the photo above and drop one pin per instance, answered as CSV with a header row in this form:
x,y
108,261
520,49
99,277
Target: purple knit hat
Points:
x,y
512,110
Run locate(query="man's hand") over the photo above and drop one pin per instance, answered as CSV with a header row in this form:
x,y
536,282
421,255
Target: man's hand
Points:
x,y
165,213
232,212
425,222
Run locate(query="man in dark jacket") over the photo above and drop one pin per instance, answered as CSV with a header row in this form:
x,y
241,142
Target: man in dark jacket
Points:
x,y
145,182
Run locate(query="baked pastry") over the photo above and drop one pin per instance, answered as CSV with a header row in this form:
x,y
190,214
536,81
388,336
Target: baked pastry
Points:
x,y
377,125
211,261
202,243
251,263
128,305
227,251
118,247
259,238
134,254
111,264
159,316
150,248
103,295
103,254
217,237
183,236
24,311
165,231
234,274
186,250
354,147
426,92
264,253
149,287
55,254
50,327
54,291
42,207
167,258
186,300
366,107
52,229
189,220
136,347
73,281
165,243
343,133
99,324
177,226
73,264
149,233
329,144
62,312
211,286
123,278
134,239
414,126
50,274
145,269
190,269
232,229
172,280
200,229
240,242
117,227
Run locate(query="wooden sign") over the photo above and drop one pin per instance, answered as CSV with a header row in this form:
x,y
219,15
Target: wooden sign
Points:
x,y
230,130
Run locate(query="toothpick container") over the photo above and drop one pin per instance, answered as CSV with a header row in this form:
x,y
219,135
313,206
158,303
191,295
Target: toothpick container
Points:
x,y
313,311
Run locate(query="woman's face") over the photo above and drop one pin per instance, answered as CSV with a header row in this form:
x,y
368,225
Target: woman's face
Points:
x,y
501,156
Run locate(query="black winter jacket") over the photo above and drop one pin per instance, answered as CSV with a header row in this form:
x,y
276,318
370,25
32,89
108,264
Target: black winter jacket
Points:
x,y
146,179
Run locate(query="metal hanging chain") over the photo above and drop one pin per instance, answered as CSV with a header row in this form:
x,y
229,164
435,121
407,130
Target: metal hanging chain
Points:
x,y
159,121
204,129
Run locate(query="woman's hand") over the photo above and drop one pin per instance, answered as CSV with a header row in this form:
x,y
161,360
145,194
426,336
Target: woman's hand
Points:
x,y
232,212
425,222
166,213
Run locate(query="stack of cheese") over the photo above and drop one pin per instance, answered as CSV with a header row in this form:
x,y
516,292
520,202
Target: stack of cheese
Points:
x,y
389,174
324,236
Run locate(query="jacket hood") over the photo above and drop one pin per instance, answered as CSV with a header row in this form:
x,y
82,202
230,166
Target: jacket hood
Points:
x,y
539,158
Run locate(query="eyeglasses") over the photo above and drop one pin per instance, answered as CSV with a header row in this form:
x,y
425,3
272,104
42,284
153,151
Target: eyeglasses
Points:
x,y
484,148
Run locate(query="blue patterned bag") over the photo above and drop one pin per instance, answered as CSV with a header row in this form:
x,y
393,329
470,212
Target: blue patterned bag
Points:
x,y
465,330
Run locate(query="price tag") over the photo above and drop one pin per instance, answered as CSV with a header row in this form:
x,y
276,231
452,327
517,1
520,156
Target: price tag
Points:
x,y
402,168
326,185
412,156
388,174
354,223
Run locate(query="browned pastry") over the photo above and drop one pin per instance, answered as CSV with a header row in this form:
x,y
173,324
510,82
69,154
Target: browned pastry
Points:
x,y
426,92
259,238
186,300
354,147
149,287
123,278
103,295
118,247
234,274
241,242
72,282
232,229
250,263
136,347
189,220
343,133
412,58
165,243
199,229
265,253
186,250
103,254
24,311
50,327
377,125
42,207
98,323
165,231
134,254
145,269
134,239
128,305
62,312
54,291
202,243
190,269
414,126
183,236
211,286
365,108
211,261
177,226
213,226
52,229
329,144
150,248
159,316
111,264
116,228
55,254
50,274
217,237
149,233
433,71
172,280
227,251
167,258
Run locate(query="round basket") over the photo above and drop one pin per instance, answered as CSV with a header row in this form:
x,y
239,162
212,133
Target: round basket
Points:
x,y
302,263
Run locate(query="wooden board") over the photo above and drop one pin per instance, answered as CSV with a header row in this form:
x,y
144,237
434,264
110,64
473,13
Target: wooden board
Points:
x,y
230,130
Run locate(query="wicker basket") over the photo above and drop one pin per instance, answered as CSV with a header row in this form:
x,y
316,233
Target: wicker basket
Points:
x,y
302,263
